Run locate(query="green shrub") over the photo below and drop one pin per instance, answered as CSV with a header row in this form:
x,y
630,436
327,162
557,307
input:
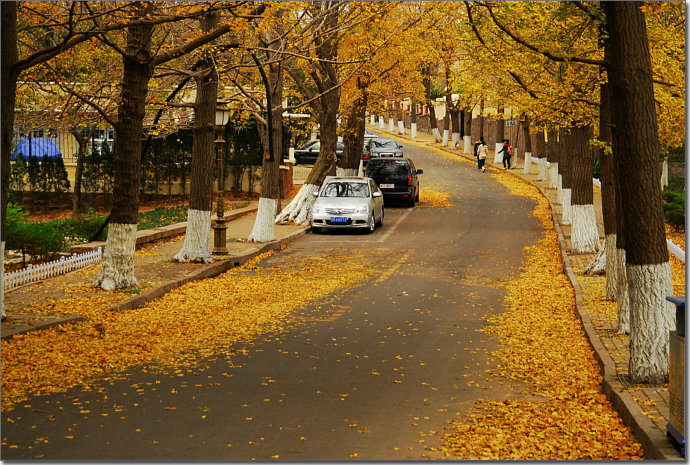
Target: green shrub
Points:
x,y
80,229
674,208
35,239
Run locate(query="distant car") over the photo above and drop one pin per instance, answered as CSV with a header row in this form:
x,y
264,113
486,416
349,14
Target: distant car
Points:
x,y
310,152
382,147
347,202
397,178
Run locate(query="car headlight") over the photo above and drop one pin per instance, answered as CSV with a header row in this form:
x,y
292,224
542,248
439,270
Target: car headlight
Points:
x,y
363,209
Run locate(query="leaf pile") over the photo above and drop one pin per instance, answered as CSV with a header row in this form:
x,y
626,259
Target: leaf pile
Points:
x,y
196,320
433,198
543,345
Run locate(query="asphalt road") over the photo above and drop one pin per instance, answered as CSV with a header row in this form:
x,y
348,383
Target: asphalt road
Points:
x,y
373,373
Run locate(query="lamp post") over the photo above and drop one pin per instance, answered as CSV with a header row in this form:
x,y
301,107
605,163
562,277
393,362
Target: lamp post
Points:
x,y
219,228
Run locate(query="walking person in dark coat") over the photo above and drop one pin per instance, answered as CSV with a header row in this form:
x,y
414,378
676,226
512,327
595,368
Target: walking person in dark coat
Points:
x,y
505,150
476,147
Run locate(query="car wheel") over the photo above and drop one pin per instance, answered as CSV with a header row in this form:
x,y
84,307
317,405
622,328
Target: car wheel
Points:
x,y
372,223
416,197
410,201
381,219
315,230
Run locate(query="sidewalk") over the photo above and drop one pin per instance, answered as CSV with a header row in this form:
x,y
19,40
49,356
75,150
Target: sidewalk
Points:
x,y
643,408
29,307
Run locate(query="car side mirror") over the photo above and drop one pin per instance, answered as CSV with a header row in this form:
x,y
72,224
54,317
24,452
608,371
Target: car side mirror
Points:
x,y
400,146
315,193
378,194
420,171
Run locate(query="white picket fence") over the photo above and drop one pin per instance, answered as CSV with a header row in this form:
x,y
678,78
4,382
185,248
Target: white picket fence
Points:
x,y
46,270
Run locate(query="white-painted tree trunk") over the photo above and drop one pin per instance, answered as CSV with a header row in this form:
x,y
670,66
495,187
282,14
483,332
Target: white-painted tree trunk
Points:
x,y
542,174
264,229
567,211
413,130
382,122
445,137
196,247
467,144
455,140
401,128
622,296
498,157
585,235
372,120
597,267
299,210
391,124
664,175
346,172
611,267
528,163
553,176
651,319
437,135
117,268
2,278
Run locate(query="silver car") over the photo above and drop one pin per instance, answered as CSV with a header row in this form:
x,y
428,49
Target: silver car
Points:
x,y
347,202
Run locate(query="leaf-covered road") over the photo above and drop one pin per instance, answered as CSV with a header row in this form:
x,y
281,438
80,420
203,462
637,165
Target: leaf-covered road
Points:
x,y
342,346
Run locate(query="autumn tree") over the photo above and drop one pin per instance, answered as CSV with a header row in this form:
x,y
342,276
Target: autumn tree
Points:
x,y
636,148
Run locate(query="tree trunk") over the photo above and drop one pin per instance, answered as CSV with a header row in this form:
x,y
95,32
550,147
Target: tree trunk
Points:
x,y
196,247
8,10
264,229
539,152
636,148
552,157
117,269
564,167
433,122
77,198
353,138
467,121
585,234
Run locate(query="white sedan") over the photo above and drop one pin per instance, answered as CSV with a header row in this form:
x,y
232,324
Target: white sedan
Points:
x,y
347,202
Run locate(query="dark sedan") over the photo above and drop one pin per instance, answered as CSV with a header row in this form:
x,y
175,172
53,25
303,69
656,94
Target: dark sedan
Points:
x,y
309,153
382,147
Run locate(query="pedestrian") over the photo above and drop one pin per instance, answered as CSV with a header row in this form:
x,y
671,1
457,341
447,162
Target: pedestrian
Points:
x,y
506,150
481,155
476,147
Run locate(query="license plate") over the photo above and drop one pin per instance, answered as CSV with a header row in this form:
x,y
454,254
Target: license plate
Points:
x,y
338,219
387,186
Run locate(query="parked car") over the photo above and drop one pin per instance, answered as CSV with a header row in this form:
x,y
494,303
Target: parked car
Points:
x,y
310,152
381,147
397,178
347,202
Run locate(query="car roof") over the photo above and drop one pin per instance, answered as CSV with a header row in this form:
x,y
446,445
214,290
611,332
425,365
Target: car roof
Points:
x,y
346,178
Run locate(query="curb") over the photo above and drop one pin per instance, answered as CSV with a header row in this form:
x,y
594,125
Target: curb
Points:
x,y
208,271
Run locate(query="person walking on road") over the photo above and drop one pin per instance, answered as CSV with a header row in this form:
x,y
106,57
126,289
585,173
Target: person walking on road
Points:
x,y
482,150
476,147
506,151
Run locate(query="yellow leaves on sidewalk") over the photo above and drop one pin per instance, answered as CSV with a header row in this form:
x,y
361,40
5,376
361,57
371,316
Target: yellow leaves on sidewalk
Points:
x,y
193,321
542,344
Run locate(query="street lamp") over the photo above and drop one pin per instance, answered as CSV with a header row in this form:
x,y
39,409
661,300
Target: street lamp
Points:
x,y
219,228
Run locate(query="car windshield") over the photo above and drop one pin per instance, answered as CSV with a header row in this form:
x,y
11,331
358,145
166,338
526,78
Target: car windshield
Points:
x,y
382,143
392,168
345,189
